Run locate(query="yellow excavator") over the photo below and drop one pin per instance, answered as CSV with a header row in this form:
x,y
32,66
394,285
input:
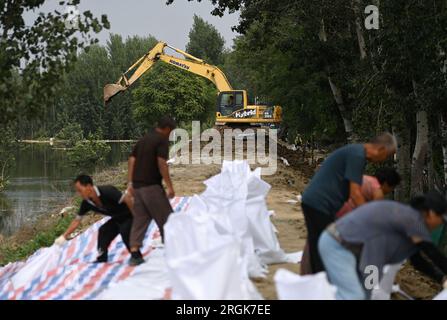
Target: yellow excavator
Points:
x,y
232,105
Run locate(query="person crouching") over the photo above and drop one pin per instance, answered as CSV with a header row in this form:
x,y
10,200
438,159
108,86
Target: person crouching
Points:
x,y
106,200
382,233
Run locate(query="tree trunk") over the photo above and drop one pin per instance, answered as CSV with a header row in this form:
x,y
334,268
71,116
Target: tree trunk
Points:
x,y
431,173
336,92
403,157
358,29
443,127
420,152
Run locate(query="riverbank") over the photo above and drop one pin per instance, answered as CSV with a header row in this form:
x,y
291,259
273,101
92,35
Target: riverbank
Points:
x,y
48,227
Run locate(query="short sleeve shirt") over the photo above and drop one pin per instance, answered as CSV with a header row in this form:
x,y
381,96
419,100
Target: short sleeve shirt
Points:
x,y
112,204
146,152
329,188
384,229
370,186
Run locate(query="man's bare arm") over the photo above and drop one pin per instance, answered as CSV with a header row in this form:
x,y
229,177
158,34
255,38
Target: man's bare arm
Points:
x,y
164,171
72,227
130,167
355,193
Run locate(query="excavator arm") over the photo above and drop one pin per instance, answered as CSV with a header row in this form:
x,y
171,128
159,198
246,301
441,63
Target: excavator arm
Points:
x,y
145,63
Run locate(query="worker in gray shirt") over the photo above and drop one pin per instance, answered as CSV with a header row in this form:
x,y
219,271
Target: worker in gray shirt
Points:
x,y
381,233
339,179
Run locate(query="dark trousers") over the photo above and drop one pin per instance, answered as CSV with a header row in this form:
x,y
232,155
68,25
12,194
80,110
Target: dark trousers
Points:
x,y
316,223
109,230
150,203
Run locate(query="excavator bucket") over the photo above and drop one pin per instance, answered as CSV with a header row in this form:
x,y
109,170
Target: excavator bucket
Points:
x,y
111,90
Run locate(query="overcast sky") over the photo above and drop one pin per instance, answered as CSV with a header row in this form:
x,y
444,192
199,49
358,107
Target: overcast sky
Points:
x,y
143,17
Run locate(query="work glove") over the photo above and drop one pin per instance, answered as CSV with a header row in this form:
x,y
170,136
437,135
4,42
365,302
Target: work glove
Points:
x,y
60,241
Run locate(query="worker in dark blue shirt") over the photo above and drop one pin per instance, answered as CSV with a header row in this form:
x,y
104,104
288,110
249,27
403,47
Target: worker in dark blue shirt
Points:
x,y
338,180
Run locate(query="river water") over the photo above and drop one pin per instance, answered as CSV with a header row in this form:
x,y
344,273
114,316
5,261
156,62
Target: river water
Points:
x,y
40,182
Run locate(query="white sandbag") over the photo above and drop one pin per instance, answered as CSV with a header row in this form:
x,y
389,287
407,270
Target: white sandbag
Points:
x,y
441,296
263,232
385,288
226,194
47,259
202,263
261,229
291,286
294,257
222,225
235,199
212,274
256,186
149,281
225,197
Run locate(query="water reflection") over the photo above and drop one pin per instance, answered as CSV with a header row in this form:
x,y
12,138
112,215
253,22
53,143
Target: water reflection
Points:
x,y
40,182
7,218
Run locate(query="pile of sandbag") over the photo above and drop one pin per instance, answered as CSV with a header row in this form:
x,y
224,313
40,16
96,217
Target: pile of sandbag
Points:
x,y
224,238
292,286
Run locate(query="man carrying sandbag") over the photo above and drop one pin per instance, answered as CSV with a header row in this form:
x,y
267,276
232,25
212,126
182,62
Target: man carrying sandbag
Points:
x,y
106,200
147,167
339,179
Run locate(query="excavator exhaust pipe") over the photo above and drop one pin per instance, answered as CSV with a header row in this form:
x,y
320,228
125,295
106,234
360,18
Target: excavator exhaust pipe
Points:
x,y
111,90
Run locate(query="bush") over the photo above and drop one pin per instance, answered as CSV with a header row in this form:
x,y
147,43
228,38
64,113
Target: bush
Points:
x,y
88,154
71,133
10,253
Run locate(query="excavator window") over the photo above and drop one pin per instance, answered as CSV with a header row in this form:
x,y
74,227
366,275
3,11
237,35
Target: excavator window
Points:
x,y
230,102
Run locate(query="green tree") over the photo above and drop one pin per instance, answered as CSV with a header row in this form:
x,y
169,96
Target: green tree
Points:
x,y
86,155
8,145
81,99
205,42
71,134
166,90
33,57
118,113
393,78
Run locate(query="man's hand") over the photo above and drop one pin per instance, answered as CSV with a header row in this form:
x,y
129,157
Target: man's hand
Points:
x,y
130,189
60,241
164,170
444,284
355,193
170,192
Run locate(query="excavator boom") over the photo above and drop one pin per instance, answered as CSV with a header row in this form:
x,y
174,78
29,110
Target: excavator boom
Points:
x,y
191,64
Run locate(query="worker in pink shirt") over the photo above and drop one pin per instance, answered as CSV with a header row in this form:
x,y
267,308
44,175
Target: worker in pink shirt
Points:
x,y
373,188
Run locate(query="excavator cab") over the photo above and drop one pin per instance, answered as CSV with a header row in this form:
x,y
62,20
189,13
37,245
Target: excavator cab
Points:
x,y
233,108
229,102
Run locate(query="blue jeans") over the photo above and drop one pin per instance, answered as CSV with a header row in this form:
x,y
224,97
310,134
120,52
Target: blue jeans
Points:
x,y
341,268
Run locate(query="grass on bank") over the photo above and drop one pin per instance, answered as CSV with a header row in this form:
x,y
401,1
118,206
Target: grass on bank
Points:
x,y
10,252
